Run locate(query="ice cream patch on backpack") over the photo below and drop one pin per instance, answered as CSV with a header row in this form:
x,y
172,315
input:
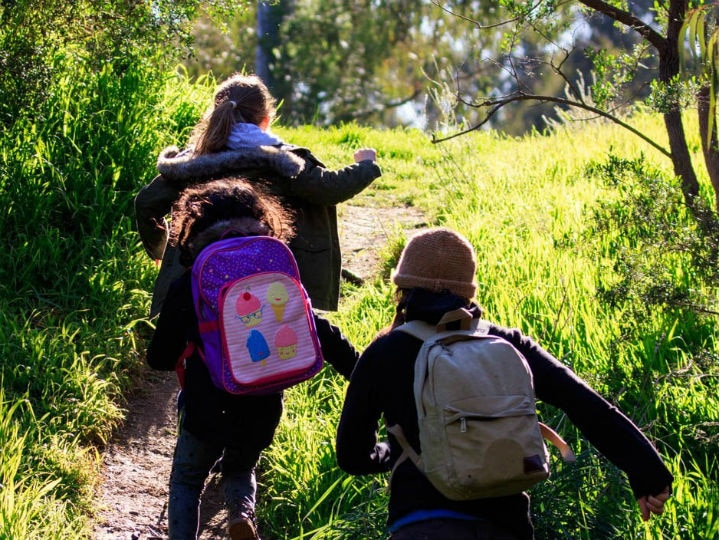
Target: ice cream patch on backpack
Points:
x,y
255,318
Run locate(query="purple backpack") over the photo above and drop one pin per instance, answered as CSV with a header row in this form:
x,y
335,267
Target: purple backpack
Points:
x,y
255,319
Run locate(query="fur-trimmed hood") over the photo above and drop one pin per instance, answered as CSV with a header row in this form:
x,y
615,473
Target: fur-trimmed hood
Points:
x,y
182,166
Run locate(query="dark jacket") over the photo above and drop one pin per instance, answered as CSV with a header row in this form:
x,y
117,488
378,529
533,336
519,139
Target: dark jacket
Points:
x,y
299,179
381,386
210,413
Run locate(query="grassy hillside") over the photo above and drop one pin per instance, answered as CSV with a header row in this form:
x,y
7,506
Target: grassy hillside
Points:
x,y
550,217
582,243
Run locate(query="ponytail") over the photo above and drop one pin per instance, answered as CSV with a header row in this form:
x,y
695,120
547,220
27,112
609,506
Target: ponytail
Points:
x,y
216,129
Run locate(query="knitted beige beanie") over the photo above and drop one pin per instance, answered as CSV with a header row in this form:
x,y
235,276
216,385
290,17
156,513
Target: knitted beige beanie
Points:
x,y
437,260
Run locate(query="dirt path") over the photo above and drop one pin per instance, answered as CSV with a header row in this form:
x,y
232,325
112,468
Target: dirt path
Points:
x,y
132,498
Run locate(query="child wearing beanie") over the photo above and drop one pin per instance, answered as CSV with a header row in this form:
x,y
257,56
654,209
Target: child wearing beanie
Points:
x,y
436,275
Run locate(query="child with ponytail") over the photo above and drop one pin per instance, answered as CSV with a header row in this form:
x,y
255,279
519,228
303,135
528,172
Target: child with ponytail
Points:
x,y
234,138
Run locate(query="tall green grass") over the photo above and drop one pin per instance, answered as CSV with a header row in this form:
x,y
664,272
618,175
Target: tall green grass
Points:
x,y
529,207
75,288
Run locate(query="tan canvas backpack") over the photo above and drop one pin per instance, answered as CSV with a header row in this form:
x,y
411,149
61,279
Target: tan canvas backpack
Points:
x,y
479,431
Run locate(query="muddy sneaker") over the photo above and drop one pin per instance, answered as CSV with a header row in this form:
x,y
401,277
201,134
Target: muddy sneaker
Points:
x,y
242,527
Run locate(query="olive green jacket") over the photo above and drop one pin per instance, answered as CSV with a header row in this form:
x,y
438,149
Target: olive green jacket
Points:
x,y
299,179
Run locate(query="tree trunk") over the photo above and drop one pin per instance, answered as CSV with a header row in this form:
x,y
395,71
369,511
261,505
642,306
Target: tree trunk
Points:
x,y
682,162
668,68
270,16
710,151
267,37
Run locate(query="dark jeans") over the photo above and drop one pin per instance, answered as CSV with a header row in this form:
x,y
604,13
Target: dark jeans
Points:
x,y
192,462
452,529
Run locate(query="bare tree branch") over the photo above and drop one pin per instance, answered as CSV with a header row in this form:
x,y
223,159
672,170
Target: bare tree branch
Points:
x,y
473,21
569,83
495,104
629,20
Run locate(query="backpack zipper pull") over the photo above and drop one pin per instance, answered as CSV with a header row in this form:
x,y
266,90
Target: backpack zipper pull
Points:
x,y
463,425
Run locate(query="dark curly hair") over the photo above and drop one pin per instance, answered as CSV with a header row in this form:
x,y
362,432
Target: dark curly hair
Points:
x,y
222,208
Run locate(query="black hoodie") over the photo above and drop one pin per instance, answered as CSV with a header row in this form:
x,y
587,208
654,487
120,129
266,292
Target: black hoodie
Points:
x,y
382,386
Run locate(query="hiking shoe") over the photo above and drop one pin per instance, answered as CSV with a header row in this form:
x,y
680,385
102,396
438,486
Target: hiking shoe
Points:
x,y
243,527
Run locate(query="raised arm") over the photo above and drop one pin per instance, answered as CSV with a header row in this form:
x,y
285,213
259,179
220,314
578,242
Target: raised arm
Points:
x,y
326,187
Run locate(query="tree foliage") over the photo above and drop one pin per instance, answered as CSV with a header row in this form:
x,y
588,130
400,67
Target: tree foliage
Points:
x,y
388,62
375,62
119,32
660,35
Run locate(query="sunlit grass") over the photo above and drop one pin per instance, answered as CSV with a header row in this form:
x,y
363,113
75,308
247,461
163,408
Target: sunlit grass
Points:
x,y
33,503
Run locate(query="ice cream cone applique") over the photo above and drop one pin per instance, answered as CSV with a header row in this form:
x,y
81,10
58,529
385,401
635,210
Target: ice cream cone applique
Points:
x,y
257,347
277,296
286,342
249,309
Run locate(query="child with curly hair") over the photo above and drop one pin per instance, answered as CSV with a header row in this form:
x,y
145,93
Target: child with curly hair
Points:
x,y
214,424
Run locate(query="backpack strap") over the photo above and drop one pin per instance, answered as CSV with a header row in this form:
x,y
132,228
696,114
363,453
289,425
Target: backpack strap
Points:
x,y
468,326
551,435
180,363
407,451
460,315
418,329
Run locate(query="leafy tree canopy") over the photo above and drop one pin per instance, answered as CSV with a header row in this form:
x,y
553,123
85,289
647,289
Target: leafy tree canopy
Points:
x,y
33,33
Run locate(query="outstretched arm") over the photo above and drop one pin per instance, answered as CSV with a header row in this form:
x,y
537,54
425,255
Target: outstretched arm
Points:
x,y
336,348
326,187
604,425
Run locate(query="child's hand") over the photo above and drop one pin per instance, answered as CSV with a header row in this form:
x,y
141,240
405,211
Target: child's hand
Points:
x,y
365,153
653,503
